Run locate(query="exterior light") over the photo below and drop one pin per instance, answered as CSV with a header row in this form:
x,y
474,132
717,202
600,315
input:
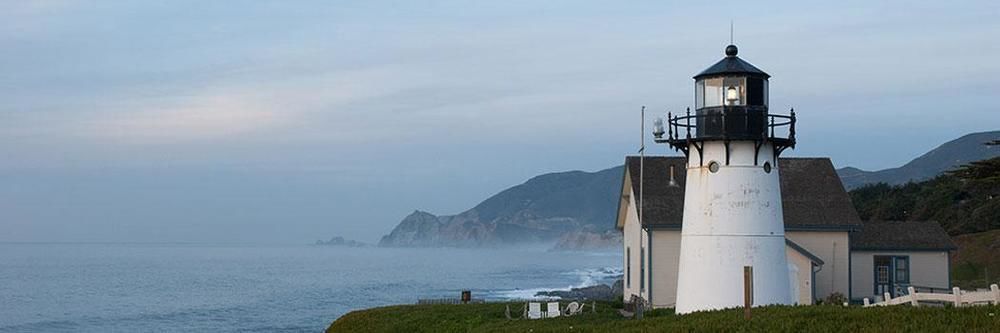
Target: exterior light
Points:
x,y
731,95
658,128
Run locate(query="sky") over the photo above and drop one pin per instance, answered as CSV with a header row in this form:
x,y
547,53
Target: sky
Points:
x,y
291,121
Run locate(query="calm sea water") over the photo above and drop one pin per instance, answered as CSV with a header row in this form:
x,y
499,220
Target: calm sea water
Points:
x,y
185,288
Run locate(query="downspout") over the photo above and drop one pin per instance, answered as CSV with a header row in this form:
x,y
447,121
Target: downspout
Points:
x,y
850,270
815,269
649,262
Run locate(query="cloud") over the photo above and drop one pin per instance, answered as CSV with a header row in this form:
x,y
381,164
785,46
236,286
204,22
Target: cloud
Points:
x,y
195,119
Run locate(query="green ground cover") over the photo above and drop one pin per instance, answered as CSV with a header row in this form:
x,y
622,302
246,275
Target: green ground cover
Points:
x,y
490,318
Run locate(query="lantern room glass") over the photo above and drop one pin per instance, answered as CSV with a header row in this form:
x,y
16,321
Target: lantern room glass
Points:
x,y
730,91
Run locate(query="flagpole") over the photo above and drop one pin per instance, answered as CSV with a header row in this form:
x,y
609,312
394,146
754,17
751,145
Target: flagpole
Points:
x,y
642,168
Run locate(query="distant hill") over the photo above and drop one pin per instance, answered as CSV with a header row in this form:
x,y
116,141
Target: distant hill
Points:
x,y
543,209
945,157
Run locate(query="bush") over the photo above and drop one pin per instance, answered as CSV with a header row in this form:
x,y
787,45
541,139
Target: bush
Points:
x,y
834,299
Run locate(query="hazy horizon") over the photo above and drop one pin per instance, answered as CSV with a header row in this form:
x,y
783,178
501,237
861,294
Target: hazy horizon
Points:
x,y
290,122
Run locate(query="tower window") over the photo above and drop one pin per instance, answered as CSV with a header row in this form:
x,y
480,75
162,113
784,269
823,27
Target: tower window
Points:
x,y
756,91
642,269
713,166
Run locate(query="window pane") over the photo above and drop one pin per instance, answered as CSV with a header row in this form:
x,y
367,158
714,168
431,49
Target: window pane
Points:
x,y
755,91
766,84
735,91
713,92
902,270
699,95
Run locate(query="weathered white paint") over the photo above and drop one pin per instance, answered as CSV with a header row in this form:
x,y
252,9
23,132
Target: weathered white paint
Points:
x,y
801,279
732,218
632,242
666,261
666,258
832,247
927,269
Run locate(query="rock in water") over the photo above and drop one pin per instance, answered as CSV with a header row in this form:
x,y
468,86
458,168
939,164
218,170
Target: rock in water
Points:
x,y
598,292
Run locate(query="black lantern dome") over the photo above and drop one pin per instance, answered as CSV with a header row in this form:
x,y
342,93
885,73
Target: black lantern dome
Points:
x,y
732,64
731,104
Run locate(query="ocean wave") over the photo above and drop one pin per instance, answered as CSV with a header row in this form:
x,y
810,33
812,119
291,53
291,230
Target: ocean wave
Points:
x,y
582,277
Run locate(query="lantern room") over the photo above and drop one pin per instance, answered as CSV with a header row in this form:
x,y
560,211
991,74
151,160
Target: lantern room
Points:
x,y
731,104
731,82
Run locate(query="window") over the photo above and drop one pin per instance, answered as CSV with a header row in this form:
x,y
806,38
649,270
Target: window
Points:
x,y
628,267
642,269
902,270
709,93
736,91
883,274
756,91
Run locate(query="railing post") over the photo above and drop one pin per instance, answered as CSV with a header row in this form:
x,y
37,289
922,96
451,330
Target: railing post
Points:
x,y
670,128
791,129
996,294
886,297
913,295
688,123
866,302
958,296
771,127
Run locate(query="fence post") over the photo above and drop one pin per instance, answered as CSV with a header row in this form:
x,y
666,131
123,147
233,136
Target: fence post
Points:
x,y
913,295
958,296
996,294
866,302
886,297
747,291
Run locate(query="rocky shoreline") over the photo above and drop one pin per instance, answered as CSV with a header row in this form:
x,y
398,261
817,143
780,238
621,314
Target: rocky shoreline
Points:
x,y
596,292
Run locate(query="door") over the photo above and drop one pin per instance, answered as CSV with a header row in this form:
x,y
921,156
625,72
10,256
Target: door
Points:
x,y
883,276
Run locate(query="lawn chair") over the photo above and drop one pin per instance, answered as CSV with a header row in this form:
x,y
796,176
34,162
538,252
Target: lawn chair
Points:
x,y
552,310
573,308
534,310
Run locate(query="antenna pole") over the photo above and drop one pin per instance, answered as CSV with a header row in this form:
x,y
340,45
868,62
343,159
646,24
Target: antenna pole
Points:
x,y
642,156
730,32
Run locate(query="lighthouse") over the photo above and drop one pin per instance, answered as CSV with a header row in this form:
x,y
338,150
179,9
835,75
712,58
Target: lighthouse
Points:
x,y
732,214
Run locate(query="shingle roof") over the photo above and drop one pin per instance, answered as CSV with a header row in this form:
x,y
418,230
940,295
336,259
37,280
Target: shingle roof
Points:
x,y
908,235
812,196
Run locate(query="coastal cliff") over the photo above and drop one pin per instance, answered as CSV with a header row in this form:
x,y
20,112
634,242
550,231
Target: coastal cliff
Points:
x,y
543,209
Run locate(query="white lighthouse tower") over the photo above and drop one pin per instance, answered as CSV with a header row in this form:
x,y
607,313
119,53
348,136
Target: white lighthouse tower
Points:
x,y
732,200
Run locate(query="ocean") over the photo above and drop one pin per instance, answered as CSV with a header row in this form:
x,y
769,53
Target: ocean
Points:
x,y
259,288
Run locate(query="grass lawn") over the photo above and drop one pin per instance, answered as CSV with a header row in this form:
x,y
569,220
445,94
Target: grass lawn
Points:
x,y
490,318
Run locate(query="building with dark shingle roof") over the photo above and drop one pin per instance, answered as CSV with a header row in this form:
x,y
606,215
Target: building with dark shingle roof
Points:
x,y
902,235
830,247
890,256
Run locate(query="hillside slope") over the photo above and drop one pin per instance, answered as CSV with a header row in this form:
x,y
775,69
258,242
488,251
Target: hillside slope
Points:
x,y
541,209
975,264
945,157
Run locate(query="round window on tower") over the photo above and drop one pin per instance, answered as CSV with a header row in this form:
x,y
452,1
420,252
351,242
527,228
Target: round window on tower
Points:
x,y
767,167
713,166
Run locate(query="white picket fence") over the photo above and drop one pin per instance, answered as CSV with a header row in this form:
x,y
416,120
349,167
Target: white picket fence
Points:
x,y
957,297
